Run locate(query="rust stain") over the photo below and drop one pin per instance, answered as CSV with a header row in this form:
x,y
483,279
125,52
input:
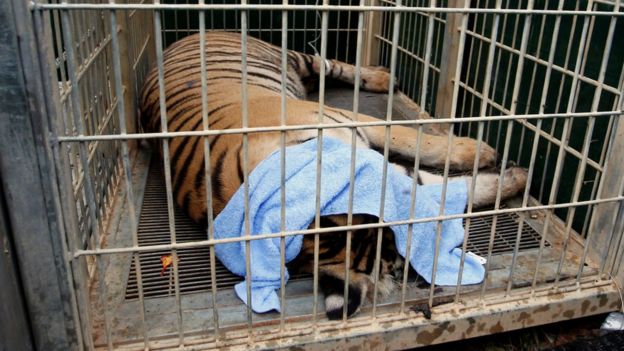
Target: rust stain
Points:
x,y
542,309
354,348
374,344
471,322
615,305
497,328
585,306
426,337
593,308
451,328
603,300
525,318
568,314
481,327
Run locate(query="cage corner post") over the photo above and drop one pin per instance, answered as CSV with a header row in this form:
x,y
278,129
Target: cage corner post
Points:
x,y
371,43
129,89
606,234
450,50
28,187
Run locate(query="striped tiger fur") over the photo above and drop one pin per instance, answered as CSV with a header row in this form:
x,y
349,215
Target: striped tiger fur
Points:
x,y
223,65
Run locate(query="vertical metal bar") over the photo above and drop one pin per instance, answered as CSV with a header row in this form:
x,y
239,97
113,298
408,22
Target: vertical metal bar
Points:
x,y
208,169
426,65
477,72
356,105
516,91
491,52
587,142
167,164
337,32
319,160
305,32
245,124
525,198
393,58
121,112
532,82
346,58
284,51
446,170
83,154
412,210
508,74
514,104
560,158
559,99
475,167
410,44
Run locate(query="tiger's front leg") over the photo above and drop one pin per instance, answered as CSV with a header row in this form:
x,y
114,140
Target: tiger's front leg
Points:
x,y
372,78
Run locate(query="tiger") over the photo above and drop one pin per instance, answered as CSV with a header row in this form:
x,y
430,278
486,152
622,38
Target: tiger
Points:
x,y
223,60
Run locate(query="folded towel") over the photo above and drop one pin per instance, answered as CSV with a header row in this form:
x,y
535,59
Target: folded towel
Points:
x,y
264,215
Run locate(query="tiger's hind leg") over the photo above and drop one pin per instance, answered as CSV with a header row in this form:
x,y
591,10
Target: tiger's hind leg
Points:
x,y
486,184
372,78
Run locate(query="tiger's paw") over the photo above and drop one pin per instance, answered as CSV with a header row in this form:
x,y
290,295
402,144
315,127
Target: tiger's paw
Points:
x,y
376,79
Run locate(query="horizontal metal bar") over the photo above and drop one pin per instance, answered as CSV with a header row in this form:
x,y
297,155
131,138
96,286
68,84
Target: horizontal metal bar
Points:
x,y
541,132
557,142
557,68
407,52
206,243
274,30
379,123
238,7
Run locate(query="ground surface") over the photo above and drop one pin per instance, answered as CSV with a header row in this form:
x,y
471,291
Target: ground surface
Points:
x,y
578,334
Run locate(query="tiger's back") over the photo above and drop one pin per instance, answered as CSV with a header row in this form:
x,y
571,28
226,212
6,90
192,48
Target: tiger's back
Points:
x,y
183,100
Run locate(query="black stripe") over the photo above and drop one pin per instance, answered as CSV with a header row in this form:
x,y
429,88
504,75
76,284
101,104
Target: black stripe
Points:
x,y
359,246
186,202
357,130
370,258
217,184
199,176
239,169
182,171
181,147
307,59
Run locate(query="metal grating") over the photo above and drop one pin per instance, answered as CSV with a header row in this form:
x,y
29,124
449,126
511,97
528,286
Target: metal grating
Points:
x,y
194,264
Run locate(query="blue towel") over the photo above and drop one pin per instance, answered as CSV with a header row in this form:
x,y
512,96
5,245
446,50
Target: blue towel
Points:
x,y
264,215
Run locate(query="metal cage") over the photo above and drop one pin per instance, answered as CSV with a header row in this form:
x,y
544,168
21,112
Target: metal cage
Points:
x,y
91,211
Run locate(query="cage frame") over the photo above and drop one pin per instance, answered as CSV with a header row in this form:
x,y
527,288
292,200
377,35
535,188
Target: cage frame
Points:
x,y
55,321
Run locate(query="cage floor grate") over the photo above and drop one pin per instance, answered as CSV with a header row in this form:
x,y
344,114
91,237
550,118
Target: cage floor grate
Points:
x,y
194,263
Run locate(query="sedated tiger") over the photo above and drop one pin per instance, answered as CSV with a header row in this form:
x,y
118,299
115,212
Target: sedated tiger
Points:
x,y
183,91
